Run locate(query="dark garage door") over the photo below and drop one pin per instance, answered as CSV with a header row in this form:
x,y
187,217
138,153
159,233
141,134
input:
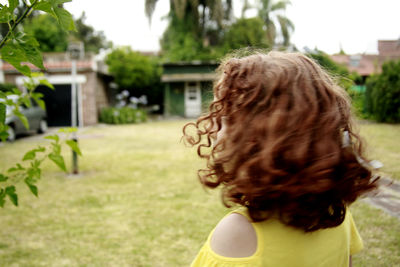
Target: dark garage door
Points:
x,y
58,104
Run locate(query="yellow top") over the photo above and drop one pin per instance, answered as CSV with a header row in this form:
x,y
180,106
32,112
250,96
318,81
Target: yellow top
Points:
x,y
281,245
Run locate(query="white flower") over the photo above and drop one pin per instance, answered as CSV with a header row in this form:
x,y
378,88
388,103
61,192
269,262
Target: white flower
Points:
x,y
134,100
143,100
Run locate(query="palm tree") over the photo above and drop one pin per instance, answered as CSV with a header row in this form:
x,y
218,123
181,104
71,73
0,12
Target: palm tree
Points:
x,y
268,11
202,13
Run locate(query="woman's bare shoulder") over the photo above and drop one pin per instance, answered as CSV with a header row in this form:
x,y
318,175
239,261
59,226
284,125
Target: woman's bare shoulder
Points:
x,y
234,237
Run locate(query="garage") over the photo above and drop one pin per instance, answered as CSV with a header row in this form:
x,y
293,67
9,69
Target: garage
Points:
x,y
58,104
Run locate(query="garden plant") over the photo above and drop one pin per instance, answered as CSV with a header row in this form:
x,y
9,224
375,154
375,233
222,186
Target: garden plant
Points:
x,y
18,49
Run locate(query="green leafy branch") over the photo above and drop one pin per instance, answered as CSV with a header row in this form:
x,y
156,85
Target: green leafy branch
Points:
x,y
30,172
18,49
23,99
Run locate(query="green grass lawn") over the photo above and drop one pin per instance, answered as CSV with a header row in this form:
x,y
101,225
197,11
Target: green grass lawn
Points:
x,y
383,142
137,202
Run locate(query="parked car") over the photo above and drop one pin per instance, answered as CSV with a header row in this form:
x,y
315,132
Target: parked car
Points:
x,y
35,115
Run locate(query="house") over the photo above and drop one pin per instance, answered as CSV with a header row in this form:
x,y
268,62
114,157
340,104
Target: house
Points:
x,y
367,64
188,87
93,87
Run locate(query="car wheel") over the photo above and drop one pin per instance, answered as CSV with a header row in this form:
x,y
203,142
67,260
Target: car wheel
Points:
x,y
11,134
42,126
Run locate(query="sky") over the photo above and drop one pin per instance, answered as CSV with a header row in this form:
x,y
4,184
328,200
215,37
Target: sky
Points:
x,y
354,25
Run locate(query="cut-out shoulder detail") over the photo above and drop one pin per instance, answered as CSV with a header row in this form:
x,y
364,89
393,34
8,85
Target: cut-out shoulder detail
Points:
x,y
234,237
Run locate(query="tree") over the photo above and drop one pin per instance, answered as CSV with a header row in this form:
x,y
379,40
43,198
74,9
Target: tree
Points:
x,y
132,69
202,29
270,12
53,38
201,15
135,72
193,26
45,29
245,32
180,41
16,47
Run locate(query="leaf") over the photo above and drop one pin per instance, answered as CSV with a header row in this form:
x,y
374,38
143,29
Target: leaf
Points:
x,y
40,149
3,136
13,54
2,113
12,4
19,35
12,169
53,137
22,117
3,178
40,103
34,173
20,167
58,160
36,163
31,49
38,99
26,101
29,155
17,168
56,148
32,153
36,95
74,146
16,91
24,48
32,187
46,83
2,196
65,19
55,9
5,15
44,6
60,2
10,191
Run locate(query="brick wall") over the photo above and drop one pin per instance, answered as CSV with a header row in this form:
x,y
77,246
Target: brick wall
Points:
x,y
94,97
89,108
102,95
389,48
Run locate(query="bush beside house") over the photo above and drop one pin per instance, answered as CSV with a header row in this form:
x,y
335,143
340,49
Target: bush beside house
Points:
x,y
122,115
382,96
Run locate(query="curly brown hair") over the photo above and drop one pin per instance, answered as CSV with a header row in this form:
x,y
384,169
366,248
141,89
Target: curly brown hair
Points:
x,y
274,140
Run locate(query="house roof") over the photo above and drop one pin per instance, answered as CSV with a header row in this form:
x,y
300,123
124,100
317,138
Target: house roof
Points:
x,y
364,65
188,71
367,64
59,66
60,62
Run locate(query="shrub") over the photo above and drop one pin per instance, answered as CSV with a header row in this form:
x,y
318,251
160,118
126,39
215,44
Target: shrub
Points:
x,y
382,97
123,115
6,87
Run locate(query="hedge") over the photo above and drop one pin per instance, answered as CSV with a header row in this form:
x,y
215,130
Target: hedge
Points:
x,y
382,97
